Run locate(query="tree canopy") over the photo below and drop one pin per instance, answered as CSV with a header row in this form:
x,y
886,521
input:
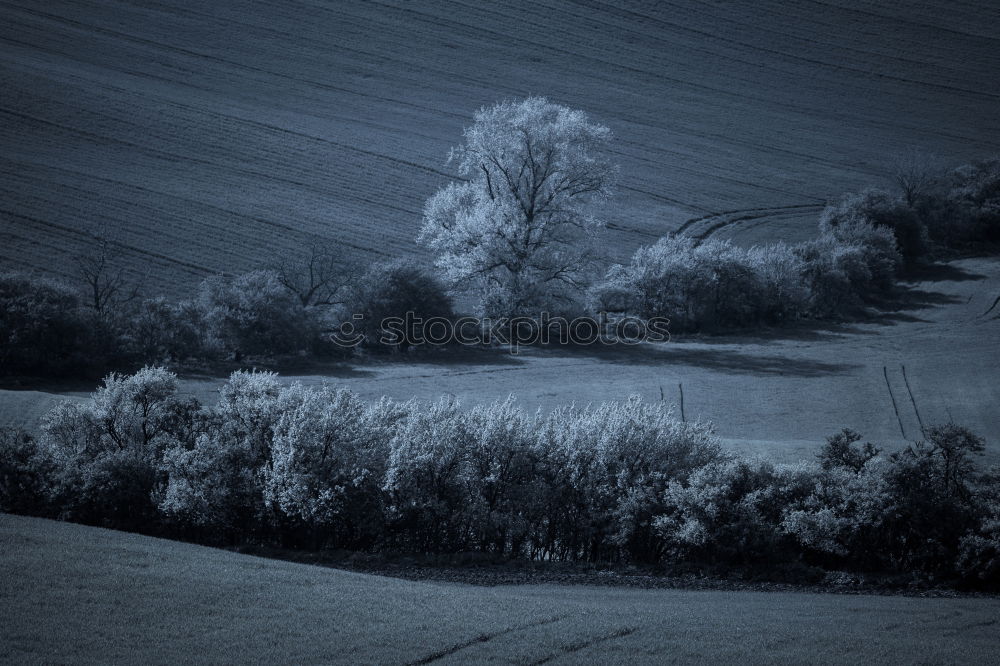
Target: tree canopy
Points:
x,y
519,228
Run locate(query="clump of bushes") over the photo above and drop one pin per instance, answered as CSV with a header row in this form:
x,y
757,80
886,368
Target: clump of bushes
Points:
x,y
400,290
716,285
254,314
45,330
881,210
705,286
620,482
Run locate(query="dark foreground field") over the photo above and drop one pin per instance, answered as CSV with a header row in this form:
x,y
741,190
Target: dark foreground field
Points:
x,y
72,594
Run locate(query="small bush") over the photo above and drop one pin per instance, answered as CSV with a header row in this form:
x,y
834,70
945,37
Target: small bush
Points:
x,y
402,291
254,314
840,451
880,209
45,331
25,474
730,511
975,193
846,266
713,285
157,330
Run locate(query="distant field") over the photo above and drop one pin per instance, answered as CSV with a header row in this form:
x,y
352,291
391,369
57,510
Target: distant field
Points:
x,y
214,135
73,594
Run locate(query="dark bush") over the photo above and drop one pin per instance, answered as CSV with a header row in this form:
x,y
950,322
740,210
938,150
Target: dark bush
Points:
x,y
254,314
157,330
25,474
712,285
975,192
394,302
839,451
45,331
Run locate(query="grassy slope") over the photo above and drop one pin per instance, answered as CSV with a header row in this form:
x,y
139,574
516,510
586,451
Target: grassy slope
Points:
x,y
775,393
72,594
217,134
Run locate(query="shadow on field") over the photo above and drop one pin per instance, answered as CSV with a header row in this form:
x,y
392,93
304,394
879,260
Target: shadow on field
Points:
x,y
941,272
449,356
729,361
49,384
900,306
222,370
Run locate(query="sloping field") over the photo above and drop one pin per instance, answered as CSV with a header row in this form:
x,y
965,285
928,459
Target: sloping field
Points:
x,y
211,136
931,357
73,594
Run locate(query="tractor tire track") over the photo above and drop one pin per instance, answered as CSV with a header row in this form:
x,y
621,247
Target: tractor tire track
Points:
x,y
481,638
732,217
584,644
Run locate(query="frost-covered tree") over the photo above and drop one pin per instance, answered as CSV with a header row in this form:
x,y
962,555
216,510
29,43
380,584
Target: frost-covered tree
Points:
x,y
518,229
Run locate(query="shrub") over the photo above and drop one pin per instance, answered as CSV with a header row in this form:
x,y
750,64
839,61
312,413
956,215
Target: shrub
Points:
x,y
708,286
840,451
846,266
255,314
216,482
107,452
730,511
424,481
606,468
158,330
879,209
327,463
45,331
975,192
501,478
978,561
25,474
393,291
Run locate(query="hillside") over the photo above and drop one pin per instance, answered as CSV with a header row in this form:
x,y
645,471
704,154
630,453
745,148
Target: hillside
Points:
x,y
73,594
209,137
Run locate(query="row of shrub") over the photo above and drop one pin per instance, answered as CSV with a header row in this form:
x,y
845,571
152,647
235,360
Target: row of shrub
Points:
x,y
47,329
622,482
717,285
865,240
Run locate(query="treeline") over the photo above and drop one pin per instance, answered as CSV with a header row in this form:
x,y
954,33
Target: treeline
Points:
x,y
50,328
621,482
865,241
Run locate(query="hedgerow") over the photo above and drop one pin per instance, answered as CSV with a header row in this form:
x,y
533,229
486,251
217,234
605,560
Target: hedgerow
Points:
x,y
317,467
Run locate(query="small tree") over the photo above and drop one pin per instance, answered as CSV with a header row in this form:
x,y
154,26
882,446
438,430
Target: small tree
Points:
x,y
518,229
915,173
317,277
107,286
255,314
839,451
